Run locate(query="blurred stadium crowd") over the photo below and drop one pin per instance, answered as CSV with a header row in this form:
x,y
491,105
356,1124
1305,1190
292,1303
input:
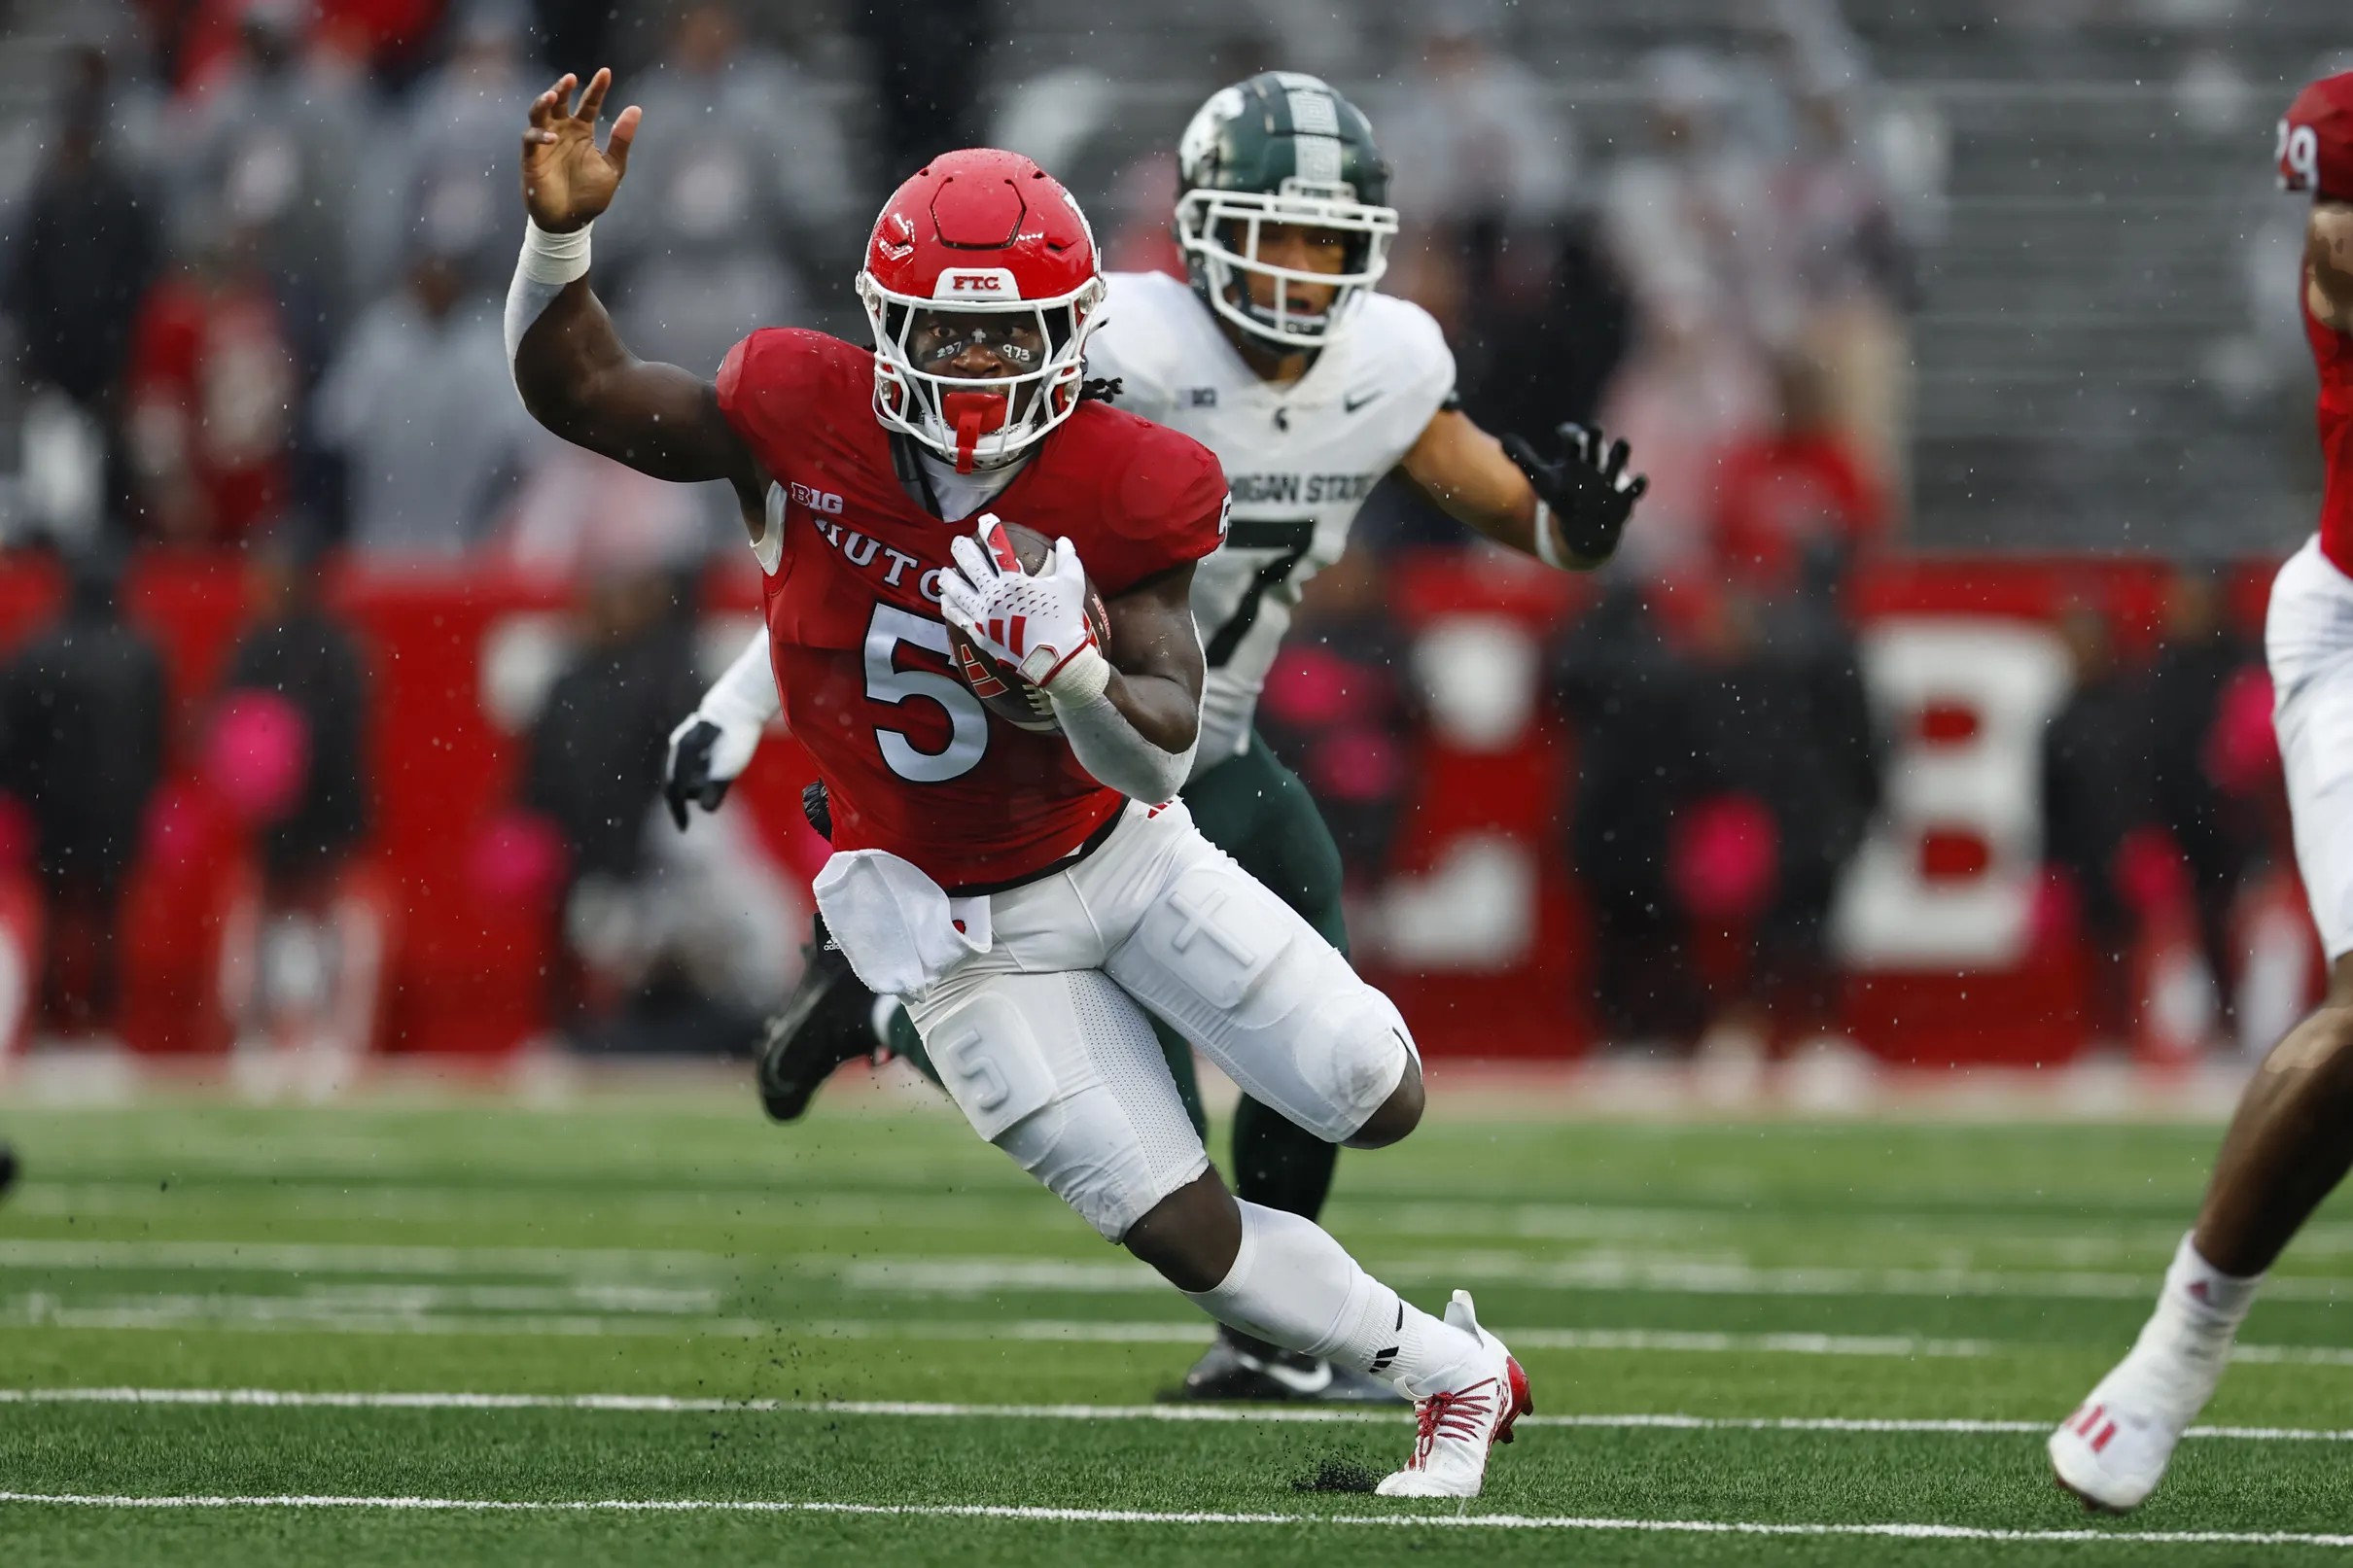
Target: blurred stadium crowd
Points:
x,y
253,253
258,258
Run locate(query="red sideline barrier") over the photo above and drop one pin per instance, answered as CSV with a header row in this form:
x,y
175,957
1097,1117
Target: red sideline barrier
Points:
x,y
465,969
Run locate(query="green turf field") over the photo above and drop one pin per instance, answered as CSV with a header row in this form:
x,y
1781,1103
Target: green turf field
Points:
x,y
651,1327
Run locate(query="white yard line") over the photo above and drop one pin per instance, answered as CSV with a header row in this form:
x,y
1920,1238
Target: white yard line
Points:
x,y
1601,1271
1611,1271
2150,1240
296,1315
1093,1516
668,1405
292,1315
348,1258
1901,1347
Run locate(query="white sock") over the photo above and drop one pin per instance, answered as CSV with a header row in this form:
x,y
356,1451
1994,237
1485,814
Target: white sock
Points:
x,y
2199,1310
1293,1285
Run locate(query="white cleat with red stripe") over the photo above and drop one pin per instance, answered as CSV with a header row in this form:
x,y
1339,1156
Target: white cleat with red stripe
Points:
x,y
1454,1428
2114,1449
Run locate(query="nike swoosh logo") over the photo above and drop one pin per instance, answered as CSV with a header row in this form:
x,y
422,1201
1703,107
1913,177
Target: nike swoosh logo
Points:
x,y
1349,405
1291,1377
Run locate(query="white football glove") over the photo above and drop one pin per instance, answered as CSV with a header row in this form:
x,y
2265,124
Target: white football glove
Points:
x,y
1035,623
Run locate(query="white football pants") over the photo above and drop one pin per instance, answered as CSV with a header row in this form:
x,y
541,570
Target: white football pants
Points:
x,y
2308,645
1043,1044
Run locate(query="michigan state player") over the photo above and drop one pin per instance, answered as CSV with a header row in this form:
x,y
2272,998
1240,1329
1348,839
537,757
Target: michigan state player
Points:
x,y
1279,356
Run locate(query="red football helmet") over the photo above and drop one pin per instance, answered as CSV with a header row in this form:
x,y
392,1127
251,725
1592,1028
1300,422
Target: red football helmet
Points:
x,y
981,249
2316,139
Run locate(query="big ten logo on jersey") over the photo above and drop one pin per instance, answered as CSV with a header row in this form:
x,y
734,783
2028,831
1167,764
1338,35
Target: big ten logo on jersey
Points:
x,y
1296,489
825,501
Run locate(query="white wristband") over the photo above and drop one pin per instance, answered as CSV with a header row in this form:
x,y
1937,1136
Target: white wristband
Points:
x,y
556,258
1548,547
1082,678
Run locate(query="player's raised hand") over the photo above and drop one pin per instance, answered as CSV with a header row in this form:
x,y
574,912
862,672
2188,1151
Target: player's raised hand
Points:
x,y
1588,489
568,180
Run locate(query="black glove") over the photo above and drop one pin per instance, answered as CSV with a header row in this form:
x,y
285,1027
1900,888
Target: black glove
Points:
x,y
818,807
688,775
1588,489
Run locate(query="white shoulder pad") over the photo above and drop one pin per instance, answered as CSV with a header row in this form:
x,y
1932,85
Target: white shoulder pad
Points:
x,y
1405,346
1142,339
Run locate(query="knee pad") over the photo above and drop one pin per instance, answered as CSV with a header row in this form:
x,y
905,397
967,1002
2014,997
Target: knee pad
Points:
x,y
1356,1046
1242,975
1070,1083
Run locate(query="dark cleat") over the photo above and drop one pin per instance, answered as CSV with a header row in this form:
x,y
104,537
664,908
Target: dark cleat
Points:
x,y
7,1169
827,1021
1237,1369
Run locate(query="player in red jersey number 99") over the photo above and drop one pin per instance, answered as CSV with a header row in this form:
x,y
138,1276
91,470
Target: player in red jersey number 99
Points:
x,y
2290,1140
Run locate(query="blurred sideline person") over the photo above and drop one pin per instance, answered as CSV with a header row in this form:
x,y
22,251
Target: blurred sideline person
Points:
x,y
1308,386
432,447
2290,1141
81,713
1031,888
626,982
1783,729
212,390
1629,697
2095,767
303,952
2194,682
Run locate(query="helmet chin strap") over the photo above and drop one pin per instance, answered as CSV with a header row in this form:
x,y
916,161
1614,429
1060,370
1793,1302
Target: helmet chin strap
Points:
x,y
973,415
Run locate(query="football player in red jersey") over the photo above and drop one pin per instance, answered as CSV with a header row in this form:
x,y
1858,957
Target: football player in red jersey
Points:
x,y
1027,895
2290,1141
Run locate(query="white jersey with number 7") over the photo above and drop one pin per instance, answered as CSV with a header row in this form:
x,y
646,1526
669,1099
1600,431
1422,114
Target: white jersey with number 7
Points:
x,y
1299,459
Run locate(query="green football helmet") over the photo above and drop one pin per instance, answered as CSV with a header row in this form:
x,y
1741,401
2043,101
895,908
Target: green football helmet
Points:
x,y
1280,148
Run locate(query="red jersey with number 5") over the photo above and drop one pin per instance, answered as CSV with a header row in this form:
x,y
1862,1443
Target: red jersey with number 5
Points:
x,y
2333,355
913,762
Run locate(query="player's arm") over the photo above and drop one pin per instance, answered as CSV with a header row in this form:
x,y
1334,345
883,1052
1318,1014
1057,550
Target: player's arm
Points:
x,y
2329,263
570,366
1130,710
1566,512
712,746
1157,671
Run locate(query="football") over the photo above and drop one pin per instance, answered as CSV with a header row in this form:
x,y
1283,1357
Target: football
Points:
x,y
999,684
